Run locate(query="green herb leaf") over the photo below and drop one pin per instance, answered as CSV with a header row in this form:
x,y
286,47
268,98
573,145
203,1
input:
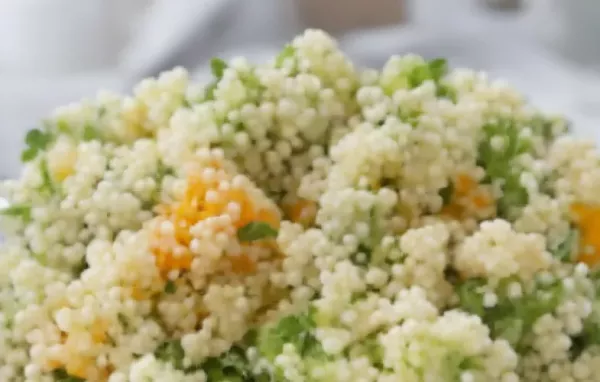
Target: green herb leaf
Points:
x,y
218,66
433,70
22,211
229,367
170,287
287,52
418,75
36,141
63,127
28,154
209,91
438,68
47,182
509,328
471,300
60,375
294,329
256,231
90,133
171,352
500,165
445,91
565,250
37,138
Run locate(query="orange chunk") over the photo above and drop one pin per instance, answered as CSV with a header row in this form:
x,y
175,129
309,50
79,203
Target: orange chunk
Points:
x,y
302,211
587,219
481,200
464,184
242,264
202,200
98,332
468,194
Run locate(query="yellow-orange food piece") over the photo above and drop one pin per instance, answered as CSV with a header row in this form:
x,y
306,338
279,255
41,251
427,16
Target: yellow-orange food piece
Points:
x,y
467,192
587,219
172,252
302,211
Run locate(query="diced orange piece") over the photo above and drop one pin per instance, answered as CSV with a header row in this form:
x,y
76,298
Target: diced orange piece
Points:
x,y
464,184
269,217
138,294
481,200
194,207
303,211
78,367
452,210
98,332
588,220
242,264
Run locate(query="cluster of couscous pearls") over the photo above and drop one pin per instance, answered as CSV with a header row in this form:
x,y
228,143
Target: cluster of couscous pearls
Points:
x,y
304,220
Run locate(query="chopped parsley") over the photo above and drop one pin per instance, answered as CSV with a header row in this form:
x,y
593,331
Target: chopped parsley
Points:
x,y
256,231
37,141
22,211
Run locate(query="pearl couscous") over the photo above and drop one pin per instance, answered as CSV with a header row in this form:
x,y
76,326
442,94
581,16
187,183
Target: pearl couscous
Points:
x,y
303,220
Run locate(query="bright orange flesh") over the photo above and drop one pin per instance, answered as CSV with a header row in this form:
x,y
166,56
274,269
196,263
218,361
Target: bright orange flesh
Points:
x,y
587,219
203,200
467,192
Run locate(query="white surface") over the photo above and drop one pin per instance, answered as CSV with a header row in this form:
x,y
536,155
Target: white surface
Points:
x,y
189,33
57,37
569,27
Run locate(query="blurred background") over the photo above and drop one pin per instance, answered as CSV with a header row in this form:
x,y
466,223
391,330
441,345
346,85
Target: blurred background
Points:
x,y
56,51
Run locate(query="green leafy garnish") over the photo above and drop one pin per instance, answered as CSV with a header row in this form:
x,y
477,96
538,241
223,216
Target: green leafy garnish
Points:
x,y
294,329
171,352
256,231
209,92
590,335
22,211
500,166
565,250
509,328
231,366
471,299
47,182
63,127
90,133
433,70
217,67
60,375
510,318
445,91
438,68
287,52
170,287
36,141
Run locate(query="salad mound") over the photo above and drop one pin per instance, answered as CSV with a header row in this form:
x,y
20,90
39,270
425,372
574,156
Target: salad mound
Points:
x,y
303,220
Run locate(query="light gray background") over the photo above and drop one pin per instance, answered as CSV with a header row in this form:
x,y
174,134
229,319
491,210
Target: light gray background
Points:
x,y
38,74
